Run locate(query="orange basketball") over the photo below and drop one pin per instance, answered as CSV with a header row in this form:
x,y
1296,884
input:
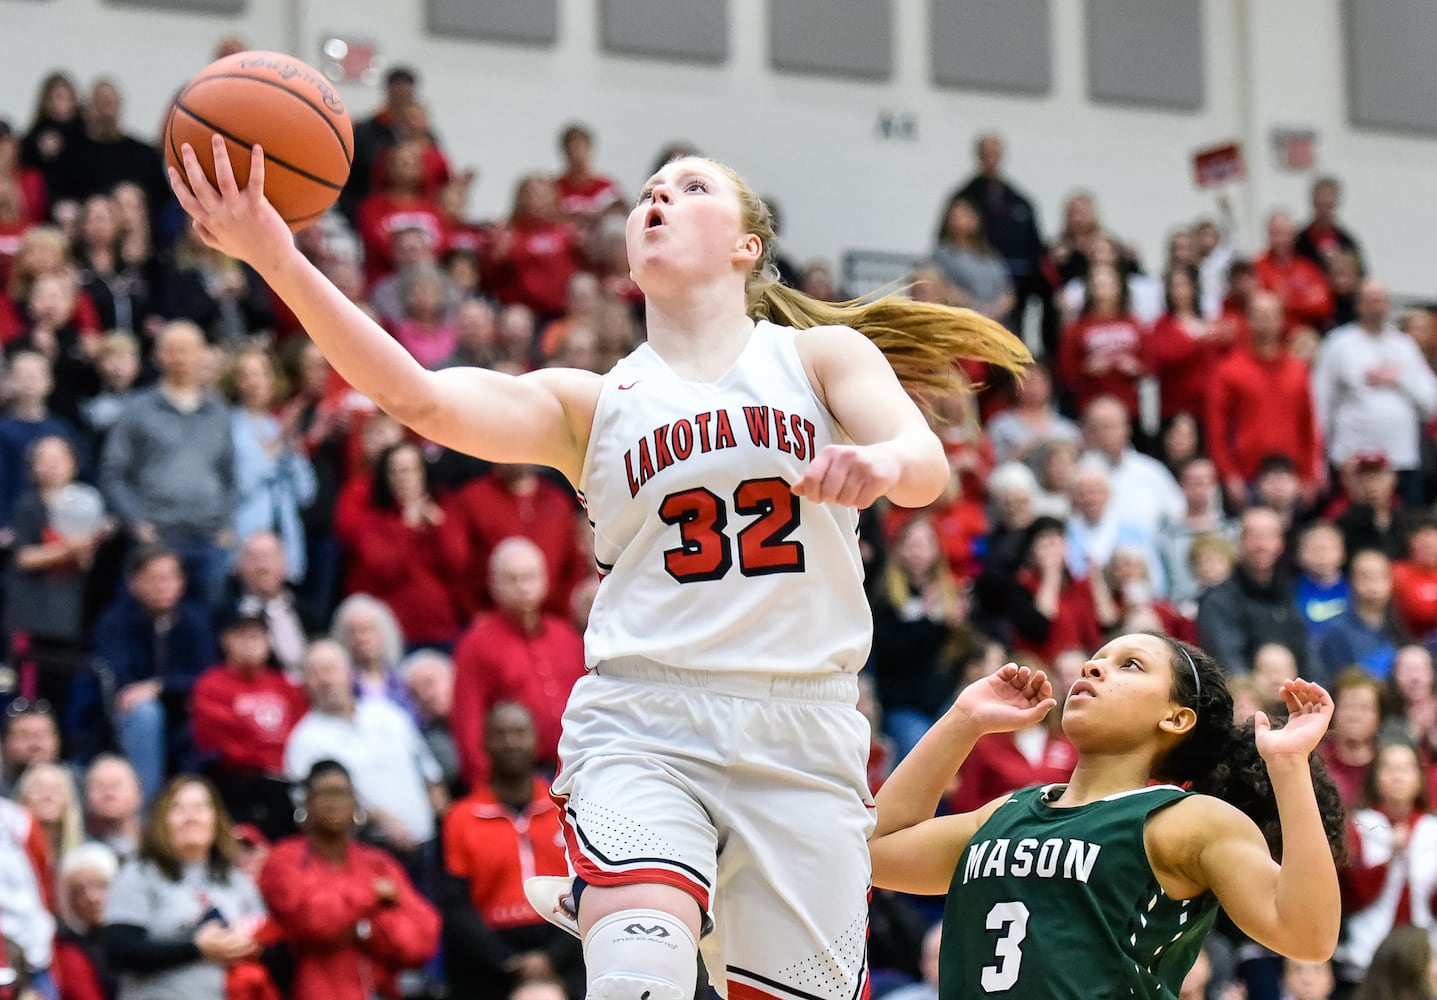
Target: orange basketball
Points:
x,y
285,106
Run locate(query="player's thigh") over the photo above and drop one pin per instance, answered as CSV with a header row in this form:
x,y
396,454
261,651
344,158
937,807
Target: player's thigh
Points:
x,y
632,801
791,912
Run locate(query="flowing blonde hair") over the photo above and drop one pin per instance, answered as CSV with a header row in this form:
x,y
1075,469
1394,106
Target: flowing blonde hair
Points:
x,y
71,830
923,341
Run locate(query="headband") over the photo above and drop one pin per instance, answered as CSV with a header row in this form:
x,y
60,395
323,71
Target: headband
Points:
x,y
1197,682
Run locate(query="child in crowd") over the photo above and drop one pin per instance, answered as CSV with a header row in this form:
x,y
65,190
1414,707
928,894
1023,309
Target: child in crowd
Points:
x,y
1322,591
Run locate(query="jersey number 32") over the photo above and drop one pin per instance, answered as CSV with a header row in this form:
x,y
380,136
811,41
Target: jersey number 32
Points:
x,y
705,551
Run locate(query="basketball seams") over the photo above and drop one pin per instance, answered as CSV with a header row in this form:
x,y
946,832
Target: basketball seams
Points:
x,y
179,106
345,148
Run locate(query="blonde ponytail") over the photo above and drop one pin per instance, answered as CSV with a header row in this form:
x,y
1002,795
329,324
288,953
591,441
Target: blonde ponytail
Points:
x,y
923,341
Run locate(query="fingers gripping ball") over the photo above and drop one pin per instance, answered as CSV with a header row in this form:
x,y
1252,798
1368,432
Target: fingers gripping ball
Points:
x,y
280,103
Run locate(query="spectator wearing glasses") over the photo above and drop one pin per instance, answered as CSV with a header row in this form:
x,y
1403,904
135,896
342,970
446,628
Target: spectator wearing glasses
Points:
x,y
347,910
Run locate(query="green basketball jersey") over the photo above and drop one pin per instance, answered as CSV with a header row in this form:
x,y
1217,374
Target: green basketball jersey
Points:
x,y
1061,903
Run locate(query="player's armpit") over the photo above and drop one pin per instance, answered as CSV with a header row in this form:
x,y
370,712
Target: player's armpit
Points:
x,y
540,418
921,859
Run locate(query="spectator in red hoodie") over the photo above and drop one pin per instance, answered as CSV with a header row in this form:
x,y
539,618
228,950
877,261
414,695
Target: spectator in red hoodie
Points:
x,y
1259,403
243,712
400,204
514,653
519,500
410,551
1414,579
535,253
1101,352
1184,346
1297,281
349,914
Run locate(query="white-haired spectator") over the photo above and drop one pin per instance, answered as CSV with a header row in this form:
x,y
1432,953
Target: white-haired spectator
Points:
x,y
1097,527
367,629
80,963
428,677
396,779
1013,495
1144,491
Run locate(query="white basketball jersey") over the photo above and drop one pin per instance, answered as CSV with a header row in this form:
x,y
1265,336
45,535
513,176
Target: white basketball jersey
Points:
x,y
709,560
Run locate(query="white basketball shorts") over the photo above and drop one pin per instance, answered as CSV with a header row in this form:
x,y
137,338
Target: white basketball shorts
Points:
x,y
747,791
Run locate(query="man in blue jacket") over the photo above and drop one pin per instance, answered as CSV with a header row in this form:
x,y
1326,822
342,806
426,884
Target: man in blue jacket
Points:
x,y
154,645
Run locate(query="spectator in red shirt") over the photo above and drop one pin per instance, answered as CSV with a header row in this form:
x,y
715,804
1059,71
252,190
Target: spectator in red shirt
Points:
x,y
535,253
1351,744
514,653
1297,281
348,912
1183,347
1100,353
1259,404
400,204
506,830
583,194
243,711
28,183
518,500
410,552
1000,763
1414,579
42,250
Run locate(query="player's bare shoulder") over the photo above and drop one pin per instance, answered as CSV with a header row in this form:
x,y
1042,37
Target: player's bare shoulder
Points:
x,y
1176,835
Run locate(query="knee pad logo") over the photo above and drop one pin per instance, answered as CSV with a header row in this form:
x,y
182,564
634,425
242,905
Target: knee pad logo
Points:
x,y
656,931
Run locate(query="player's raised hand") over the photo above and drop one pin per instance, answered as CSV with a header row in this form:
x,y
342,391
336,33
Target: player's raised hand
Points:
x,y
1309,710
849,475
237,223
1008,699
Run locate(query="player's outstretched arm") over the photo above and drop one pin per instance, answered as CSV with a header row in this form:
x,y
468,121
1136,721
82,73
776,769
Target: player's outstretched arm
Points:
x,y
895,453
1294,907
911,850
542,418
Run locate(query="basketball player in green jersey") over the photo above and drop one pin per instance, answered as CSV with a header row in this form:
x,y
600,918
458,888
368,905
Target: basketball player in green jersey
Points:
x,y
1106,886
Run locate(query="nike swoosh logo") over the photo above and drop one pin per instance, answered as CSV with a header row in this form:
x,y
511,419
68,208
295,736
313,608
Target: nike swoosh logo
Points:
x,y
626,388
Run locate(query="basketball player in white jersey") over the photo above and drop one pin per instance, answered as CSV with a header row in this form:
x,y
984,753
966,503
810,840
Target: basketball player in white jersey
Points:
x,y
713,760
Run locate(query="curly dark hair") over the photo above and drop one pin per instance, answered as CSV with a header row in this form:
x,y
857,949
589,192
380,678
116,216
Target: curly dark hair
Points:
x,y
1221,760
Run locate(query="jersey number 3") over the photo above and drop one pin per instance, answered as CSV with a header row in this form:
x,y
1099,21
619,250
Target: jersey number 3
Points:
x,y
1012,919
705,551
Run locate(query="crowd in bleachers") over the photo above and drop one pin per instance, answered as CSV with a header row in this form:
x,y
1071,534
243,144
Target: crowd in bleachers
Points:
x,y
282,682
